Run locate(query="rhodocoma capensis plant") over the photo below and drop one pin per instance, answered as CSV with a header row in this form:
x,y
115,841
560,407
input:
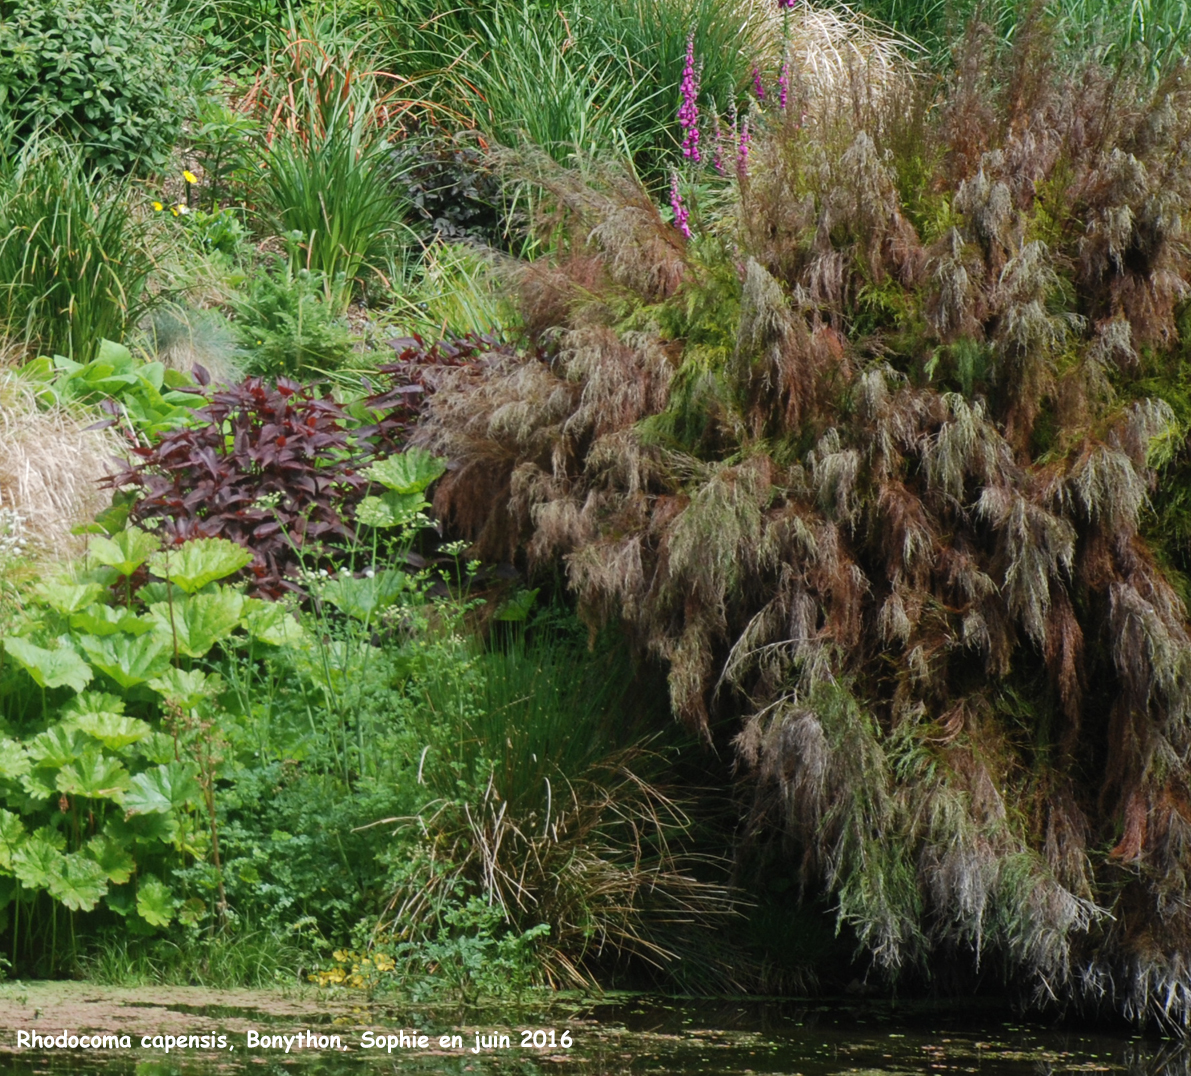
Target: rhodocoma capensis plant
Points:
x,y
866,462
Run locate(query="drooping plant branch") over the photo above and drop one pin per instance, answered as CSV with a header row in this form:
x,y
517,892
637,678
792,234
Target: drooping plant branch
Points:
x,y
866,461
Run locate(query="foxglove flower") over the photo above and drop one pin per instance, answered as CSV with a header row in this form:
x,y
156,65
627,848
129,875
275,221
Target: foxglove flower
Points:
x,y
688,111
681,213
783,85
758,88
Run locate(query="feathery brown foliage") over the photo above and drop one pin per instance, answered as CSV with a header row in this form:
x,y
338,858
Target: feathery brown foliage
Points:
x,y
866,464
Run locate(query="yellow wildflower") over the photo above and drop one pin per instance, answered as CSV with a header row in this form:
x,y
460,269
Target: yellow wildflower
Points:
x,y
158,206
189,176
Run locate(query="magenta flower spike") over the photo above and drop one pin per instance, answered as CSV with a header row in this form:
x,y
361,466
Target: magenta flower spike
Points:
x,y
688,110
783,85
758,87
742,149
681,213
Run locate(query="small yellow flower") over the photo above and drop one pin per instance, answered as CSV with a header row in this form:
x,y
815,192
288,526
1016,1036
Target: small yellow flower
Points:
x,y
158,206
189,176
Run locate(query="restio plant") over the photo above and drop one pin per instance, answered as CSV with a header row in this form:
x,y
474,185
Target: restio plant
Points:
x,y
324,172
110,75
566,819
867,459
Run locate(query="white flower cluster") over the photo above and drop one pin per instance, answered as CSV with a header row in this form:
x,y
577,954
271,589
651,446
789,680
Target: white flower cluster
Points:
x,y
13,542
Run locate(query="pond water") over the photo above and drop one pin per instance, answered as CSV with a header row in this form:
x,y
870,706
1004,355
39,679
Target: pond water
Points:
x,y
277,1035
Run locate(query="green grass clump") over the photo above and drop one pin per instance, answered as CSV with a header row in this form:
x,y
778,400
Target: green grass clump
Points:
x,y
76,254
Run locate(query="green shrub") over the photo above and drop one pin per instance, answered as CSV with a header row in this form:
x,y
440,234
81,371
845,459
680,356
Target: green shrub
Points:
x,y
286,326
526,86
548,794
75,256
111,75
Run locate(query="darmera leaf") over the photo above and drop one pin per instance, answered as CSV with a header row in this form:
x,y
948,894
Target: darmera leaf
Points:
x,y
78,882
410,472
199,621
199,562
164,788
154,902
125,551
49,668
127,660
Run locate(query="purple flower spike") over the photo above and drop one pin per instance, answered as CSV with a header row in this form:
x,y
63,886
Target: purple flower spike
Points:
x,y
688,111
783,85
681,213
758,88
742,150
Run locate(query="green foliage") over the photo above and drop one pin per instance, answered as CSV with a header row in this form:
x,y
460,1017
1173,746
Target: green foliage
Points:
x,y
1155,31
286,326
565,102
473,955
75,256
102,789
143,395
325,178
646,41
111,75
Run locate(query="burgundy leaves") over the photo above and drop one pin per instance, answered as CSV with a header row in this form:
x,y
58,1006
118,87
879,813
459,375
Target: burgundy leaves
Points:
x,y
271,468
278,469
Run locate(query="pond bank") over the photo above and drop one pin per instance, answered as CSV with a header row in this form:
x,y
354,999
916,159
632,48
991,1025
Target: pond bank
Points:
x,y
170,1031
